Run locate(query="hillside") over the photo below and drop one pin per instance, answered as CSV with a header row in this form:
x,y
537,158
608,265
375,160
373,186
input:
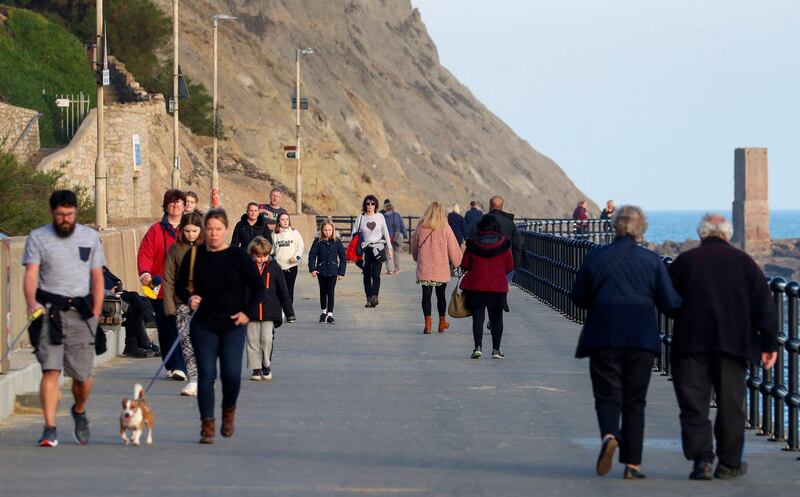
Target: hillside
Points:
x,y
385,117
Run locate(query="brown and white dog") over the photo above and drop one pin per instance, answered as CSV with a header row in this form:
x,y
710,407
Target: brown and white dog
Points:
x,y
136,414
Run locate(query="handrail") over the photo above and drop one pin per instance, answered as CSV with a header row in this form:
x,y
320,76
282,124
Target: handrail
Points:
x,y
25,132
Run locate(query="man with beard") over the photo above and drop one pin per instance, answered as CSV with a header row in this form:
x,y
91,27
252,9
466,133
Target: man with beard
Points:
x,y
64,277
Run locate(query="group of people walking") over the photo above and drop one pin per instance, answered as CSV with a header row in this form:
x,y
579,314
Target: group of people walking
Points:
x,y
724,319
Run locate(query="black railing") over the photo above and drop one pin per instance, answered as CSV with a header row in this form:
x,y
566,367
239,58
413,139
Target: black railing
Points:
x,y
552,264
594,230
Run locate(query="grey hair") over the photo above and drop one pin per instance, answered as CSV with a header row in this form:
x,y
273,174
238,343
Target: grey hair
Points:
x,y
629,220
714,225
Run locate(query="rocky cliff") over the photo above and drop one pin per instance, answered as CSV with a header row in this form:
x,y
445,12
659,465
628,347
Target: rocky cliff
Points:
x,y
384,116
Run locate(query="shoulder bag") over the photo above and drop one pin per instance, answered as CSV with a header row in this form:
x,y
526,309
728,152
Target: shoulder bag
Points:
x,y
458,303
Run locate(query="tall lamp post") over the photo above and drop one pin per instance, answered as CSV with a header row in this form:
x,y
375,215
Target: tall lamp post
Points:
x,y
176,159
299,185
101,212
214,171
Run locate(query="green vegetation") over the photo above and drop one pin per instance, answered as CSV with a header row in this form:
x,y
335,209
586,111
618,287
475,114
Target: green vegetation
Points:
x,y
38,60
139,35
24,195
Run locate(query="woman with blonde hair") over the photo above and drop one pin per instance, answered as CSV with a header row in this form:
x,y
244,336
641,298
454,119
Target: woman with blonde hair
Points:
x,y
434,248
457,224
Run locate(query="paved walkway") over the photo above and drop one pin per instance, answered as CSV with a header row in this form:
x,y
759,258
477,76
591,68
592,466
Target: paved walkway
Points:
x,y
372,406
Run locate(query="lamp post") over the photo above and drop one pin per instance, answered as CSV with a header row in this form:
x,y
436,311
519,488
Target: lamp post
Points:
x,y
176,159
101,212
214,171
298,180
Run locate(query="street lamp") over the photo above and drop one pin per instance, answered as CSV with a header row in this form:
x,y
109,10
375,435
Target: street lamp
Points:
x,y
100,169
176,159
214,172
299,186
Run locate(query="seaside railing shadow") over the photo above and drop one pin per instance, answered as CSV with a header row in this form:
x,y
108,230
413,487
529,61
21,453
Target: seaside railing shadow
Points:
x,y
773,399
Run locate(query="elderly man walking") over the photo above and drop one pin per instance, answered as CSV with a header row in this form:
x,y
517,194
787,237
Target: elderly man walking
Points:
x,y
727,319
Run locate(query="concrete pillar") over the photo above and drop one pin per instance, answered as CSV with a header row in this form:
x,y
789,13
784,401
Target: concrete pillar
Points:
x,y
750,201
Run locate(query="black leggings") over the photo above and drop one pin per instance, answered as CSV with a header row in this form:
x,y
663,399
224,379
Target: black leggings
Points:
x,y
441,299
372,274
290,275
327,284
495,319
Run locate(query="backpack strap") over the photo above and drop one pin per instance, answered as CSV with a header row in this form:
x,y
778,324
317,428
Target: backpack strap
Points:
x,y
192,257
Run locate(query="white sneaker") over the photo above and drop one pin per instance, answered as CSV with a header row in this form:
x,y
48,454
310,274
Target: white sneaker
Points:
x,y
178,375
168,373
190,390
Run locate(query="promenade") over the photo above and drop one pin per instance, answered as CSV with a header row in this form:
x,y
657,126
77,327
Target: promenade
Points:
x,y
371,406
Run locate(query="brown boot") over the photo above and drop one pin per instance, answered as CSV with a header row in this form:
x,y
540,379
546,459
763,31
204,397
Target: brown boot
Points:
x,y
207,431
228,415
443,324
428,325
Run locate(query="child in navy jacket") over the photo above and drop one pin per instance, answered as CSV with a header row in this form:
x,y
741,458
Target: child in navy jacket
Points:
x,y
327,263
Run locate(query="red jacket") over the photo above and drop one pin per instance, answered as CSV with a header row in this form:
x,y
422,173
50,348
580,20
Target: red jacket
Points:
x,y
153,249
487,260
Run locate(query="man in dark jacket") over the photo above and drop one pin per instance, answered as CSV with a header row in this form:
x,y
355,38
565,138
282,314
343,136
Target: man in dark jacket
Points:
x,y
509,230
472,216
727,319
251,225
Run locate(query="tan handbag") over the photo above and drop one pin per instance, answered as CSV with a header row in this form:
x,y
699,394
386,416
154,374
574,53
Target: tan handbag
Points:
x,y
192,257
458,303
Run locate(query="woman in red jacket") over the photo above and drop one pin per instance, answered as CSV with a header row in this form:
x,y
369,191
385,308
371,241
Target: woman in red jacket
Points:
x,y
486,261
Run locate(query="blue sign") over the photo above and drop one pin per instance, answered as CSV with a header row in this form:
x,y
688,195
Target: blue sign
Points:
x,y
137,153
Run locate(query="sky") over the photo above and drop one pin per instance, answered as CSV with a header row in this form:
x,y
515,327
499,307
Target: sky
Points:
x,y
642,101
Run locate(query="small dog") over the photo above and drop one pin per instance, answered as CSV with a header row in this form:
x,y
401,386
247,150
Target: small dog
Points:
x,y
136,414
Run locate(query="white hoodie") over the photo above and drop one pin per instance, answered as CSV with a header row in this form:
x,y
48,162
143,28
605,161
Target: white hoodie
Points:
x,y
287,248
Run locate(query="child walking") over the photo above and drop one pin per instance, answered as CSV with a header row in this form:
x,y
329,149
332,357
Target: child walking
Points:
x,y
190,235
267,317
327,263
287,250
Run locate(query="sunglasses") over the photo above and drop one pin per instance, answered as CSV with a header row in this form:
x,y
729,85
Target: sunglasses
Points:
x,y
371,203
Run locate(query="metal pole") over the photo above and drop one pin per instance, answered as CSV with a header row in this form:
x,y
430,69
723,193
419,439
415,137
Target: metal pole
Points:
x,y
176,159
101,214
298,180
214,170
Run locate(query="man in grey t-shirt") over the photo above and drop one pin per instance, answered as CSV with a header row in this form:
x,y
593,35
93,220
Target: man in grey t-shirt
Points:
x,y
63,264
272,211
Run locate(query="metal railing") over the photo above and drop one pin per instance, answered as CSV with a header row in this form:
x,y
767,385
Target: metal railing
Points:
x,y
773,397
594,230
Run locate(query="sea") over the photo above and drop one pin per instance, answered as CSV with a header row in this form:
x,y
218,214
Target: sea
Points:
x,y
679,226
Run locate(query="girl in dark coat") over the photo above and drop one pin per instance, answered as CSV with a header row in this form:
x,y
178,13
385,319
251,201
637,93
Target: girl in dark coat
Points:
x,y
487,260
457,224
327,263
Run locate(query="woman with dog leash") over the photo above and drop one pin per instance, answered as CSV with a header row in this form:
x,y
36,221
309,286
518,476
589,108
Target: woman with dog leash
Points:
x,y
222,285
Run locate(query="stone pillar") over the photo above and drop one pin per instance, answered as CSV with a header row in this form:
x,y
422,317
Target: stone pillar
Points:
x,y
750,201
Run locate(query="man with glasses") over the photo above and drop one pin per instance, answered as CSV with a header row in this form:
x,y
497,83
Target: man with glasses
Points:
x,y
152,252
64,278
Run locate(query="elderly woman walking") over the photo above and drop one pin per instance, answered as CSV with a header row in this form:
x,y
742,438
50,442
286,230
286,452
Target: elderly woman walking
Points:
x,y
434,248
621,284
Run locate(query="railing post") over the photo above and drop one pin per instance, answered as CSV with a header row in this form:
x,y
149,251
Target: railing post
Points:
x,y
767,425
779,391
792,346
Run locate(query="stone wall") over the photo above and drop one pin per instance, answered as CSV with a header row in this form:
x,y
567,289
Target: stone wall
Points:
x,y
19,131
751,201
128,187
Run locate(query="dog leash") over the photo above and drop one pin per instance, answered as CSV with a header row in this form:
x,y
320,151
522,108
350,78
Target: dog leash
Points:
x,y
169,354
33,317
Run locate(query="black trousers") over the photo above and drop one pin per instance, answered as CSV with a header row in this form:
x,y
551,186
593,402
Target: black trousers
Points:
x,y
693,377
441,299
135,331
372,274
290,275
620,378
327,285
495,320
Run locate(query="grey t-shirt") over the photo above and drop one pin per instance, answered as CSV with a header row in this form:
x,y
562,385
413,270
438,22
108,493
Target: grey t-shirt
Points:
x,y
271,214
64,263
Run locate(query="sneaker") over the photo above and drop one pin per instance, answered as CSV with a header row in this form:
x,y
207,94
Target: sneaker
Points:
x,y
330,319
190,390
266,374
701,471
81,426
178,375
256,376
152,350
322,317
168,373
374,301
135,353
369,302
290,319
49,437
726,472
497,354
476,354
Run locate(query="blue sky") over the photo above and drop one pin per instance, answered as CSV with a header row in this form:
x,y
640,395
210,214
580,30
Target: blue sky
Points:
x,y
642,101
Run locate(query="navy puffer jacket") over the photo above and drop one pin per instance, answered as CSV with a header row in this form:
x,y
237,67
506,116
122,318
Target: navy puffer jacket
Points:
x,y
327,257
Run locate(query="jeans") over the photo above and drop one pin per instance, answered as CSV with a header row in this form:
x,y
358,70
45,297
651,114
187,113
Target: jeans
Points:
x,y
441,299
227,345
167,334
372,274
327,286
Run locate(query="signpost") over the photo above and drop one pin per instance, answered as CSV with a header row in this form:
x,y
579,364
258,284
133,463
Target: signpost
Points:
x,y
290,152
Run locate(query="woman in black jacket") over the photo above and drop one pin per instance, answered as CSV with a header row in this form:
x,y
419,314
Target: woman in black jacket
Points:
x,y
223,288
249,227
621,284
327,263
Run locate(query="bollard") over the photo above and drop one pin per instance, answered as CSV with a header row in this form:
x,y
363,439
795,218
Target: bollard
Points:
x,y
792,346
